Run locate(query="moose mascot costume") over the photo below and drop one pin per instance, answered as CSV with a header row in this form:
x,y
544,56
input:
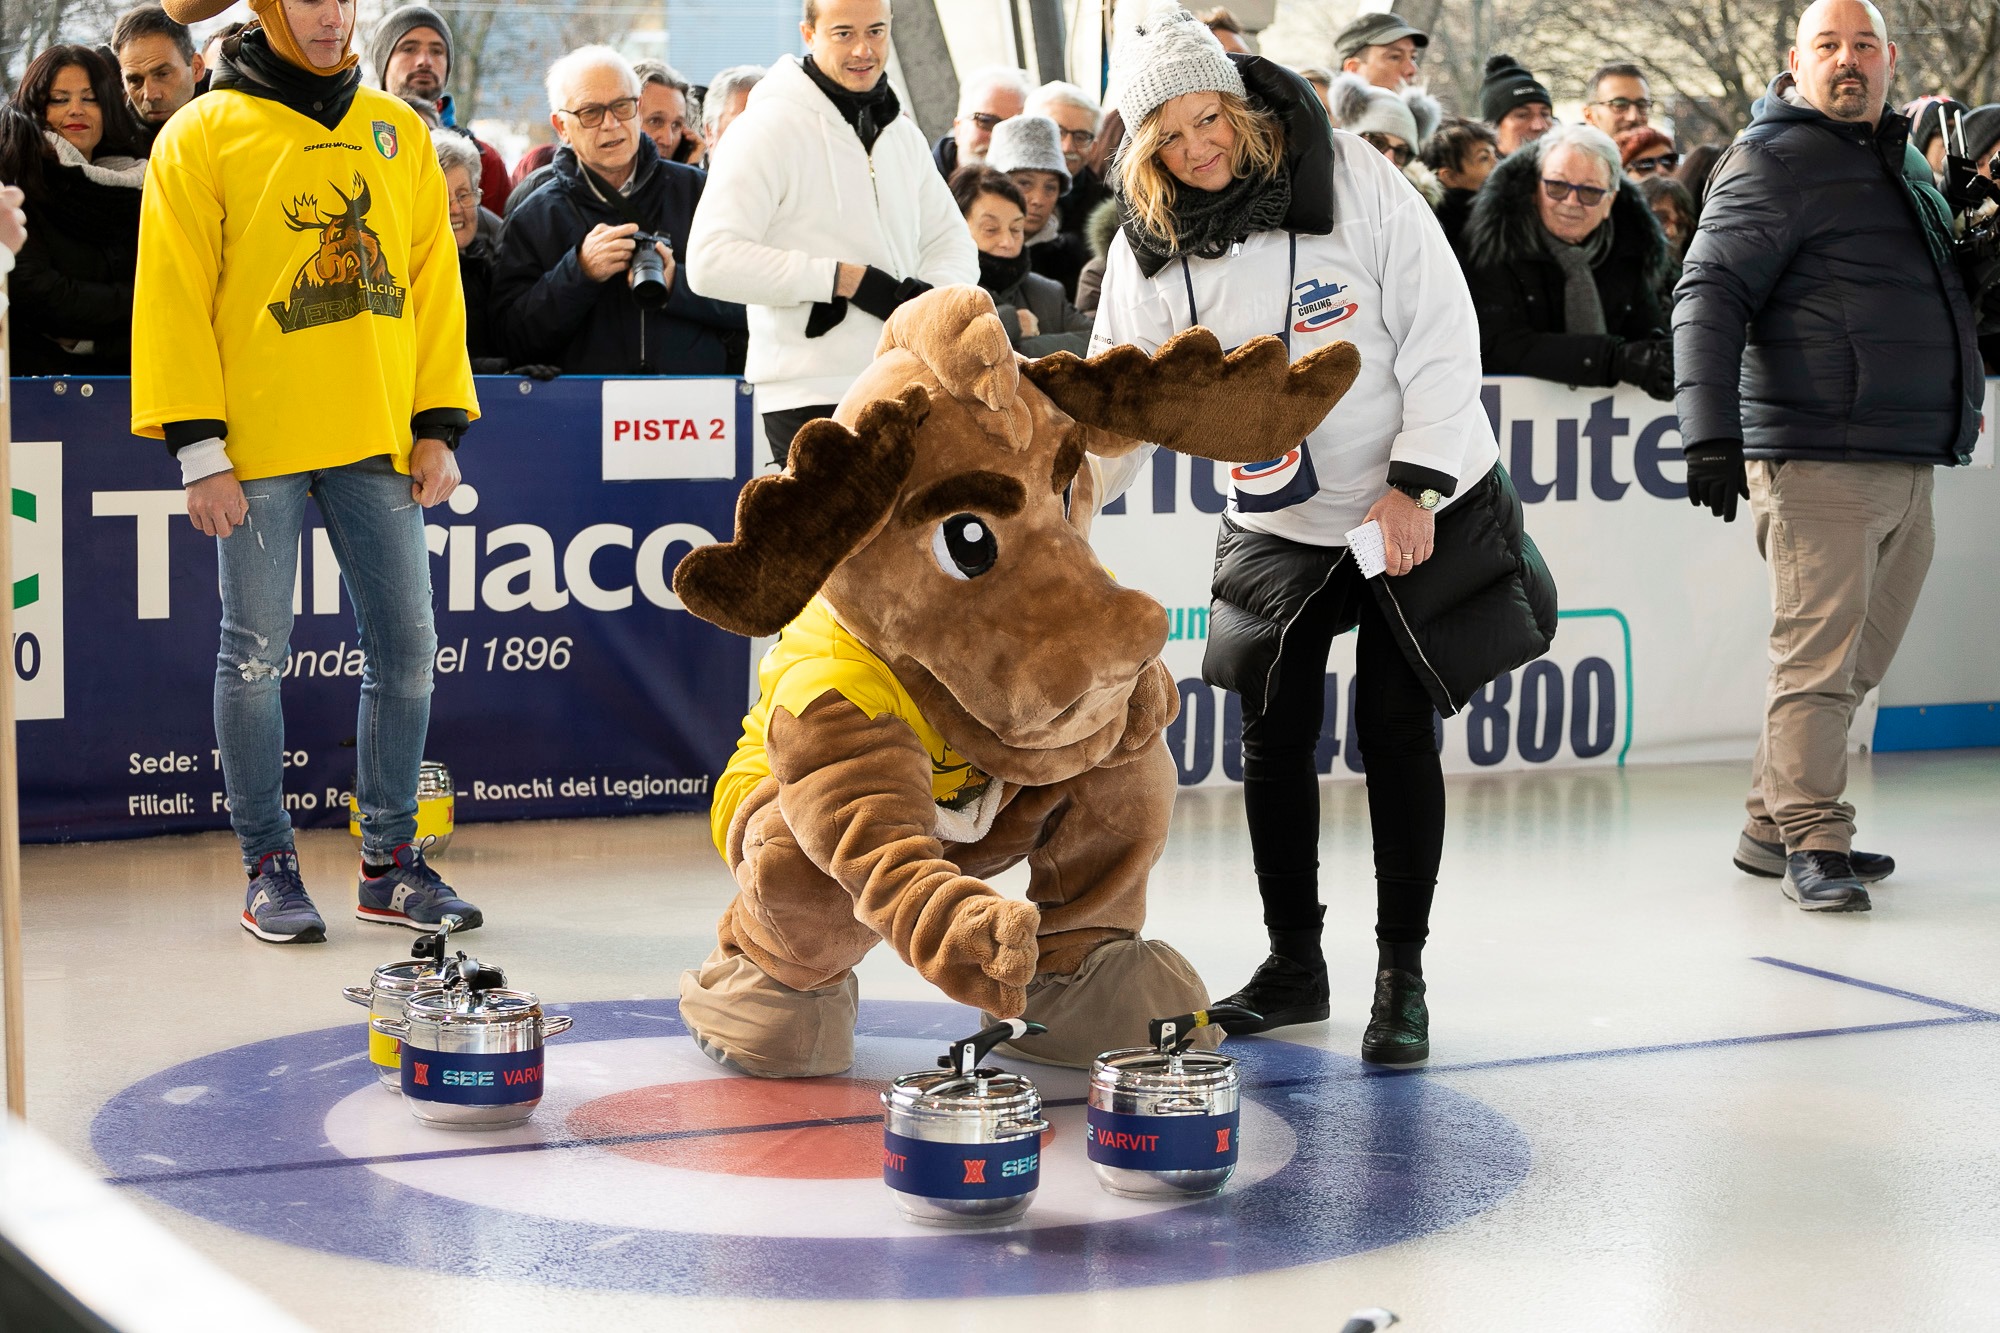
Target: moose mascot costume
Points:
x,y
959,686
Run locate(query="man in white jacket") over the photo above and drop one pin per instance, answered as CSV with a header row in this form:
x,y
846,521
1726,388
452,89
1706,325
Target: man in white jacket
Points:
x,y
824,216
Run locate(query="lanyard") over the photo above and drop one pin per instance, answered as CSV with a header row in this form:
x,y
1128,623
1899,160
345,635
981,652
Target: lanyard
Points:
x,y
1291,292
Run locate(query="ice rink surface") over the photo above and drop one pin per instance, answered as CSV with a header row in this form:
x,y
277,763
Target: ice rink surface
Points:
x,y
1660,1097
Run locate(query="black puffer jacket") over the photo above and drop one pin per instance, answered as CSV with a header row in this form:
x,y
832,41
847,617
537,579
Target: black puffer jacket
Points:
x,y
1827,240
73,279
1484,602
546,310
1517,287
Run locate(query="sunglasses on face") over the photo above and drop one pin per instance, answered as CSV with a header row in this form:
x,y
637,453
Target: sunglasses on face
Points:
x,y
1642,105
590,117
1646,166
1398,153
1587,195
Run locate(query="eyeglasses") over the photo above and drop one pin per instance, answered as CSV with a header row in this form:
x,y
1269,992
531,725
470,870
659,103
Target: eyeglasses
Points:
x,y
590,117
1642,105
1646,166
1587,195
466,198
1399,153
1079,138
985,120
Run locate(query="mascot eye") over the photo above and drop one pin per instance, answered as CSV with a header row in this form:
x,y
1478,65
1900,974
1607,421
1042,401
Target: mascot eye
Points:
x,y
964,547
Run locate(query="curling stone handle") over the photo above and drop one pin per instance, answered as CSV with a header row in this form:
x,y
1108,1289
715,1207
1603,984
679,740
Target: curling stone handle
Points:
x,y
390,1027
1173,1035
554,1025
1016,1128
361,995
966,1054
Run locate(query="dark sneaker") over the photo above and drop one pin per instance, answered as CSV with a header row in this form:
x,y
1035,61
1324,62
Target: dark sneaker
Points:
x,y
275,905
412,894
1823,882
1284,992
1766,860
1399,1026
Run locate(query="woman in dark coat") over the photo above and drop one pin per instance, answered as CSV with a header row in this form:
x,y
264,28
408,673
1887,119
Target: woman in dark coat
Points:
x,y
1564,260
71,145
1038,317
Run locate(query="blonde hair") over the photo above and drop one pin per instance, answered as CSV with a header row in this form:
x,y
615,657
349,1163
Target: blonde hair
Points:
x,y
1150,189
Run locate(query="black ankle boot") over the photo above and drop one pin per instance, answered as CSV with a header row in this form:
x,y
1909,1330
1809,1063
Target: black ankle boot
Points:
x,y
1399,1026
1289,987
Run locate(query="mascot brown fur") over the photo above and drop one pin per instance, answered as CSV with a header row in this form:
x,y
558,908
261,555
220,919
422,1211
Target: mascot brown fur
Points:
x,y
960,686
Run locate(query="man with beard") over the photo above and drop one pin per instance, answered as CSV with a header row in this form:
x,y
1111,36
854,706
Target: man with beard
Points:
x,y
1823,333
411,56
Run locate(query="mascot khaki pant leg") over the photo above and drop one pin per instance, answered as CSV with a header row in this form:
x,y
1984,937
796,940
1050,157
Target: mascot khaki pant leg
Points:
x,y
777,998
1090,843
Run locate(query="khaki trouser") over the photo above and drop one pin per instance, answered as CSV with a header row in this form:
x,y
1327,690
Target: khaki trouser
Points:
x,y
1847,546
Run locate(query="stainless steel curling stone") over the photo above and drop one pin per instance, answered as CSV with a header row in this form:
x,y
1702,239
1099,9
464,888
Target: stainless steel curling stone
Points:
x,y
1162,1119
961,1145
472,1051
390,989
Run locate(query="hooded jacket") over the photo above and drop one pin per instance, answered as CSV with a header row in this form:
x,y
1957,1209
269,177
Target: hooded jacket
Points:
x,y
1517,286
298,281
1820,314
549,311
793,197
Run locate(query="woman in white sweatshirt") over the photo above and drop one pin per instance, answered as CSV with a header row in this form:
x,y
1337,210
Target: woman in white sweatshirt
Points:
x,y
1243,212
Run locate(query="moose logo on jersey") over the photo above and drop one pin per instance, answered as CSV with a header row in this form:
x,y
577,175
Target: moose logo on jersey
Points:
x,y
345,274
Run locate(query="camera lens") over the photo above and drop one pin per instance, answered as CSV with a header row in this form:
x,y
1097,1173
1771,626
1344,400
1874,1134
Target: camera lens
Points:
x,y
647,274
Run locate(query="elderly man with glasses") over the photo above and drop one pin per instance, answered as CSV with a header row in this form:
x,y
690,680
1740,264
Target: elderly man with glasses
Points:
x,y
568,289
1079,118
1564,262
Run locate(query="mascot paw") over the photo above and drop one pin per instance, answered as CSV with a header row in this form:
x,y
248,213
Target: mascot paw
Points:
x,y
998,936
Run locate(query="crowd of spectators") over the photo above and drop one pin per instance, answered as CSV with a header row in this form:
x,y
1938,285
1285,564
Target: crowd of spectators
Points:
x,y
1532,207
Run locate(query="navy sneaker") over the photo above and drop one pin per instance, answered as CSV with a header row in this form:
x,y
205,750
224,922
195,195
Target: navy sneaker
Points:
x,y
1754,856
275,905
1823,882
412,894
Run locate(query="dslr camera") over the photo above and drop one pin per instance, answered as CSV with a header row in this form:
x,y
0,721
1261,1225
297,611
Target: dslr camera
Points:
x,y
647,274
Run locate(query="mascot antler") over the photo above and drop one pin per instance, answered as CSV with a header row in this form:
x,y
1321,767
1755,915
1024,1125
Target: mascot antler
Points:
x,y
1246,407
793,529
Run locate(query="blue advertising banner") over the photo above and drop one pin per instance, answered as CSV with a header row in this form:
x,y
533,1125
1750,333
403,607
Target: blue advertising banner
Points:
x,y
569,680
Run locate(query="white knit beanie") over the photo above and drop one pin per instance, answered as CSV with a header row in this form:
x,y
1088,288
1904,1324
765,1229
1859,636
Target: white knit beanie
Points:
x,y
1359,106
1028,143
1170,52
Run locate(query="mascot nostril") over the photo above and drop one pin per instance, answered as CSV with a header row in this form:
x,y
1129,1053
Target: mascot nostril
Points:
x,y
959,686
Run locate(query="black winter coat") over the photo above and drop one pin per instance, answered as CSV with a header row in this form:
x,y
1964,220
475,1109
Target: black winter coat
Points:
x,y
1517,287
73,279
548,311
1827,240
475,276
1484,603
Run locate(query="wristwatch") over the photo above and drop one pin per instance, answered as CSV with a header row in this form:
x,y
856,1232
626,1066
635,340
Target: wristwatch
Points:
x,y
1426,497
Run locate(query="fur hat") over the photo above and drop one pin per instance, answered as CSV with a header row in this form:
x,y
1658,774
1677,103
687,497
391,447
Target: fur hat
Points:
x,y
394,27
1360,106
1169,53
1507,85
1028,143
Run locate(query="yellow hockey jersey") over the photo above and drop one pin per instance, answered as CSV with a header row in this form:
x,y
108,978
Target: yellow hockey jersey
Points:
x,y
815,654
298,283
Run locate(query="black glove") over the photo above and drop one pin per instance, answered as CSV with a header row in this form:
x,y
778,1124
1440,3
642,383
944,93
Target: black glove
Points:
x,y
537,371
1715,477
1649,364
825,316
879,294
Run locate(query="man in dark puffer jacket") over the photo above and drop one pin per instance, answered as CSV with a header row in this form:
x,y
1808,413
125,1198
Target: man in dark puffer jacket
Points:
x,y
1823,236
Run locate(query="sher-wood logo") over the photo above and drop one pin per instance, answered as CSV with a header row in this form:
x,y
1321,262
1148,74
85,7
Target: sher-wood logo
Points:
x,y
35,510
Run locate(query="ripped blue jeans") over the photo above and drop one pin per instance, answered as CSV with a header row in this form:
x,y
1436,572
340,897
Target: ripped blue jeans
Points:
x,y
377,532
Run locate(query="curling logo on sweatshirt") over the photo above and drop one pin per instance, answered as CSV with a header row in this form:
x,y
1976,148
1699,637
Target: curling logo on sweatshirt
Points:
x,y
346,274
1320,306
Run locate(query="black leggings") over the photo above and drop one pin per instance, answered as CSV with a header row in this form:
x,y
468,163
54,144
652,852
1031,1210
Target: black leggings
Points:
x,y
1393,722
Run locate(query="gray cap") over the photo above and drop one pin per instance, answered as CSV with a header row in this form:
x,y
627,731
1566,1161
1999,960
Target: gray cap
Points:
x,y
1377,29
1028,143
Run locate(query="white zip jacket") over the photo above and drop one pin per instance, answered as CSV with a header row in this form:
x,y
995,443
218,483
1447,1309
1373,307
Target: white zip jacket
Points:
x,y
794,196
1385,280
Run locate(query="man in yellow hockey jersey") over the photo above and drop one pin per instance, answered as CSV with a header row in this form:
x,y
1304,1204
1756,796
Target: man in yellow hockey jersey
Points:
x,y
298,329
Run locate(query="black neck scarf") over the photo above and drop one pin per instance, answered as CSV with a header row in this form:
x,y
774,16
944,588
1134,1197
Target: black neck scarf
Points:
x,y
869,113
249,65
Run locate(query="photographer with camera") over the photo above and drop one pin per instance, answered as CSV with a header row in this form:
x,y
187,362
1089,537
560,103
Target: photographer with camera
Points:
x,y
588,275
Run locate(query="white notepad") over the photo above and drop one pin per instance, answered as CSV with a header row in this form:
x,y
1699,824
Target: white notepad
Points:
x,y
1369,553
